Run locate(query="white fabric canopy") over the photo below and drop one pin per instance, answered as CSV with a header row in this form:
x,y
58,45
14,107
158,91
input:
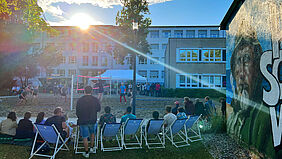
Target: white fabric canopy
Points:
x,y
119,75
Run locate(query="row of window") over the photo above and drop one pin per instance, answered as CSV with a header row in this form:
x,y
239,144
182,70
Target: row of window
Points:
x,y
144,60
156,46
196,55
62,72
152,74
180,34
85,60
200,81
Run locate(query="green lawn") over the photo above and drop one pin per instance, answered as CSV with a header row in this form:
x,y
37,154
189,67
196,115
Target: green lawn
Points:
x,y
195,150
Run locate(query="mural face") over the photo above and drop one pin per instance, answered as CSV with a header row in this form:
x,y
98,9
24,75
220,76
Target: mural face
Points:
x,y
254,67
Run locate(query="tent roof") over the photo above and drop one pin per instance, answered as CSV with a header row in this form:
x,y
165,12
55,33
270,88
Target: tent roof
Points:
x,y
119,75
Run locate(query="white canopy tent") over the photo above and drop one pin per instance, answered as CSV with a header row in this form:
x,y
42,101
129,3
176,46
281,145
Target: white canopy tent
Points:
x,y
118,75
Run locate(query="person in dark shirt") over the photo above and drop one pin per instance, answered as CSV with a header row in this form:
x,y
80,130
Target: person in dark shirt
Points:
x,y
86,112
189,106
107,117
25,127
59,121
199,108
174,110
156,115
100,90
23,96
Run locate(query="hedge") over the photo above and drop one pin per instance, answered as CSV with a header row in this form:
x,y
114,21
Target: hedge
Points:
x,y
192,93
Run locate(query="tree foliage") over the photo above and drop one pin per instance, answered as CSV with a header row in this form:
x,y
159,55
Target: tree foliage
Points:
x,y
136,10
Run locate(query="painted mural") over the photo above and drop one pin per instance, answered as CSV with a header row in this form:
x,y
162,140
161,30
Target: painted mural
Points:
x,y
254,76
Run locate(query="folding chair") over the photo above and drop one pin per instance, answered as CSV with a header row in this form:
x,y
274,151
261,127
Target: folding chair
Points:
x,y
131,127
175,130
50,135
78,145
155,127
110,130
190,125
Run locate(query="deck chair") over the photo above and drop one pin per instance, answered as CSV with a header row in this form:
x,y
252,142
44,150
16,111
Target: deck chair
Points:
x,y
50,135
192,127
110,130
154,128
131,127
78,144
174,130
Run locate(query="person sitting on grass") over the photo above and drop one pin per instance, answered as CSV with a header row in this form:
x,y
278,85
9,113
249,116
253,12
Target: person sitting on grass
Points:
x,y
169,117
9,125
127,115
59,121
107,117
25,127
181,113
156,115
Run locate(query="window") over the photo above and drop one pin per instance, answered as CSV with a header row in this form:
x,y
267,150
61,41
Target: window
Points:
x,y
178,33
61,72
166,34
94,47
199,81
154,34
182,81
63,60
85,60
217,81
104,61
205,81
72,72
85,47
187,55
214,34
163,74
142,60
190,33
142,73
154,46
94,60
164,46
202,33
211,55
154,74
72,59
154,62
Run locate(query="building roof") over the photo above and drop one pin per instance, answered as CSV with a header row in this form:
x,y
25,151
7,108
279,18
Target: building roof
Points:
x,y
232,11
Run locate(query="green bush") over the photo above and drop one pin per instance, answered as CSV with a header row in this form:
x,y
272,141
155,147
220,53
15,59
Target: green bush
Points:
x,y
192,93
218,124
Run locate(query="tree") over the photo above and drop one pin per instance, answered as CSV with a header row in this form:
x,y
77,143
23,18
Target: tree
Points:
x,y
134,10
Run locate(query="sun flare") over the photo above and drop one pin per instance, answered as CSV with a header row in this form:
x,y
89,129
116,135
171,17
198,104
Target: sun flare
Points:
x,y
82,20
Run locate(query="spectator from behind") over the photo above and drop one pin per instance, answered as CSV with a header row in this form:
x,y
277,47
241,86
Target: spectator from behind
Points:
x,y
107,117
59,121
199,108
40,118
127,115
174,110
189,106
155,115
25,127
169,117
181,113
9,125
209,106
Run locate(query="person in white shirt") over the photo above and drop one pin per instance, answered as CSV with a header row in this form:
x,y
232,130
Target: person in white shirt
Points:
x,y
169,118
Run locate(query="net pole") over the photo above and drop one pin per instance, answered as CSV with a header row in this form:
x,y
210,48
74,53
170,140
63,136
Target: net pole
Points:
x,y
71,92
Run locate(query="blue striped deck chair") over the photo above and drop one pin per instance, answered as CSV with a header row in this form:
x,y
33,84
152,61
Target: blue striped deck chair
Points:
x,y
78,144
110,130
174,131
50,135
154,128
192,127
132,127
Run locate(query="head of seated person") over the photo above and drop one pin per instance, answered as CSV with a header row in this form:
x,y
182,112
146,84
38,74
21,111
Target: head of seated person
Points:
x,y
127,115
155,115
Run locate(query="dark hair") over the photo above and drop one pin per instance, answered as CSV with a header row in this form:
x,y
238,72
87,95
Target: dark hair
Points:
x,y
207,97
128,109
181,109
107,109
168,109
40,117
27,115
88,90
12,116
57,110
155,114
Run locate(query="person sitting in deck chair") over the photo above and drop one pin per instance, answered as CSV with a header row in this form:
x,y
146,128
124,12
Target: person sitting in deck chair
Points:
x,y
127,115
169,117
181,113
107,117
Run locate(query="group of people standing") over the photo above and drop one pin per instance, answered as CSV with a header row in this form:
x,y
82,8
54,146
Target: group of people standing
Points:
x,y
153,89
26,92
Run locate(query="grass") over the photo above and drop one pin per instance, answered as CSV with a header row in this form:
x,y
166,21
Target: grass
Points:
x,y
195,150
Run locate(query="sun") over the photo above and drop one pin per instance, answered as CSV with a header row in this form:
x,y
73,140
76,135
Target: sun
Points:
x,y
81,20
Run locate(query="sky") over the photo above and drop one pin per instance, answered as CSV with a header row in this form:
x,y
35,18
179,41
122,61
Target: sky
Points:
x,y
163,12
